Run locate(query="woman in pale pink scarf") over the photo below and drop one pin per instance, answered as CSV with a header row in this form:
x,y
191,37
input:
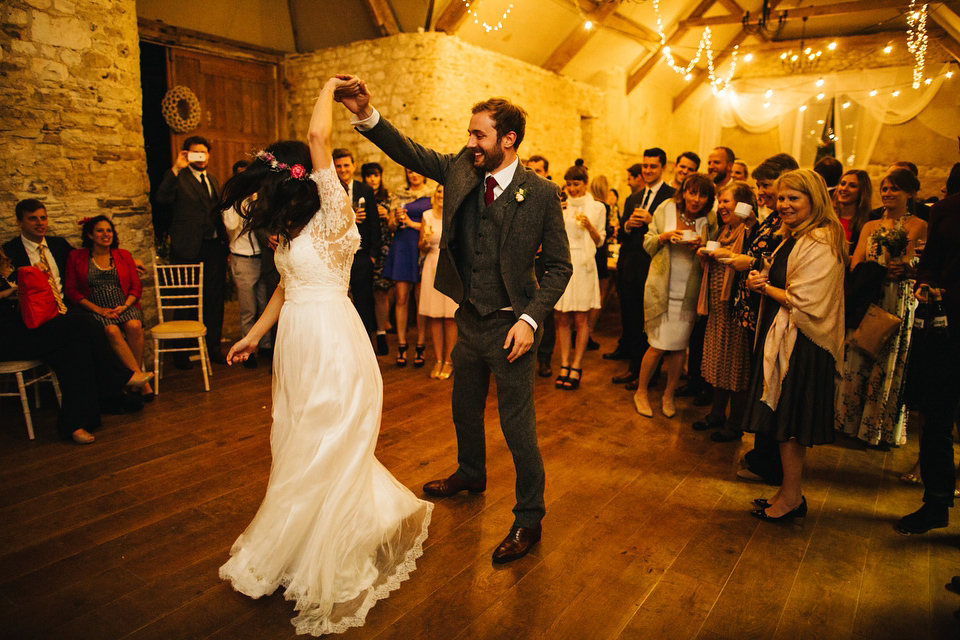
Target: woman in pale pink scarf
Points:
x,y
727,345
799,335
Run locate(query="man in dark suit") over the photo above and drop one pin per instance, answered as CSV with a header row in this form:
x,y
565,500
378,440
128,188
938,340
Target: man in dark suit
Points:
x,y
195,235
73,344
496,215
633,262
368,223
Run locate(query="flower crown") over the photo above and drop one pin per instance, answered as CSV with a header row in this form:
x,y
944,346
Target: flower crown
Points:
x,y
297,172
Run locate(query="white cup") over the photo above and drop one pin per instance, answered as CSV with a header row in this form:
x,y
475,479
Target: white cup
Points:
x,y
743,210
689,235
712,245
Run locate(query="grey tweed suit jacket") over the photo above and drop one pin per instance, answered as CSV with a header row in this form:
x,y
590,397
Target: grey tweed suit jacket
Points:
x,y
529,223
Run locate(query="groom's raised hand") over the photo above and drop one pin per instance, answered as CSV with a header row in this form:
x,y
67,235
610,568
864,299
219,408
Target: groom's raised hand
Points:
x,y
354,96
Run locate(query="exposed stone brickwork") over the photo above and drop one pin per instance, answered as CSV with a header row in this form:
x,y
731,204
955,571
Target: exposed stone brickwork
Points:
x,y
426,83
70,117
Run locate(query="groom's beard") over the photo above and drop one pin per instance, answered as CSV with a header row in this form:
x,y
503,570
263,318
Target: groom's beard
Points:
x,y
487,161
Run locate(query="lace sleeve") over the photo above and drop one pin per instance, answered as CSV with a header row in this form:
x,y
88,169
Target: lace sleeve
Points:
x,y
336,215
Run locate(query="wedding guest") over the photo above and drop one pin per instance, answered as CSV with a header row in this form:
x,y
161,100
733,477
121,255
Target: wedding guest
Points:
x,y
585,222
831,171
600,190
919,209
870,402
727,345
541,166
799,336
851,200
679,227
762,463
938,273
246,268
403,260
383,288
190,192
102,279
739,171
687,162
438,308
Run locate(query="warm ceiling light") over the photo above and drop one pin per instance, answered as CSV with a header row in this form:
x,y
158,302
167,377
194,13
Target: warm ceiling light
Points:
x,y
896,93
888,48
588,24
832,46
748,57
873,93
819,96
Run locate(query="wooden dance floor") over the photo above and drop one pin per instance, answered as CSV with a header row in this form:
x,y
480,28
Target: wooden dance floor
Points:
x,y
646,535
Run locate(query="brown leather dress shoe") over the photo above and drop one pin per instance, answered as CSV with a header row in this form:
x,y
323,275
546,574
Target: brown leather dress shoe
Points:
x,y
517,544
623,378
543,369
453,485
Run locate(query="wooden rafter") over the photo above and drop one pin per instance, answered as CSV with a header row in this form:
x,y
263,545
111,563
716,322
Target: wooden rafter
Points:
x,y
651,60
382,14
579,37
702,74
815,11
950,22
452,17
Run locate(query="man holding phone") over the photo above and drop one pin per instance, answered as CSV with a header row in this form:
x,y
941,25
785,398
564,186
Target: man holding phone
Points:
x,y
195,235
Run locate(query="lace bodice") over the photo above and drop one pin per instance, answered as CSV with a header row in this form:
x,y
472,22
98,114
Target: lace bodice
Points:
x,y
316,264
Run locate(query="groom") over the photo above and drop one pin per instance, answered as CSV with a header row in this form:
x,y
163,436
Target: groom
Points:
x,y
496,214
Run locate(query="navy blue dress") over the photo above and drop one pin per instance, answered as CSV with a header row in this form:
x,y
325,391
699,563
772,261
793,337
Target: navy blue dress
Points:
x,y
403,260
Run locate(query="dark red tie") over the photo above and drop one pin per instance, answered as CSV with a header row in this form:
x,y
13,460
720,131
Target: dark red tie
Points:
x,y
491,183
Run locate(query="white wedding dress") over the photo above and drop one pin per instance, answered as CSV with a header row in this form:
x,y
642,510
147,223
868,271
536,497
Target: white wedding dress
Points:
x,y
335,527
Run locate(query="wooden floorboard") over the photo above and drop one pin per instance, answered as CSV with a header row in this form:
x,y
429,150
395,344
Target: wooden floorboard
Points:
x,y
646,535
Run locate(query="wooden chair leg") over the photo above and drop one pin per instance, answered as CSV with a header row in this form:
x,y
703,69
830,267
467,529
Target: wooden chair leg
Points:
x,y
204,359
26,405
156,367
56,387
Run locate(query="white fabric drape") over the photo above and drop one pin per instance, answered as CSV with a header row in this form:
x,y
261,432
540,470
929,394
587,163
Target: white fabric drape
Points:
x,y
858,116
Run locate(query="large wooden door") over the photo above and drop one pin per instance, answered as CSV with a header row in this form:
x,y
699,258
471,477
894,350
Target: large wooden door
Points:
x,y
238,103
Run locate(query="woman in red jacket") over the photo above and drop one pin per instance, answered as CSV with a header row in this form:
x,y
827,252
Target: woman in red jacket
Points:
x,y
103,280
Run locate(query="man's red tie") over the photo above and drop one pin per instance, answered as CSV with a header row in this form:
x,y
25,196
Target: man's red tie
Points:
x,y
491,183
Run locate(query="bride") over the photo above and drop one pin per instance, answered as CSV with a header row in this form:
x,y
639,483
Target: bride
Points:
x,y
335,527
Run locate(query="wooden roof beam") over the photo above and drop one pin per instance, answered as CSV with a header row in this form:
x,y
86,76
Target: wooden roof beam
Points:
x,y
815,11
703,74
950,22
453,16
382,14
579,37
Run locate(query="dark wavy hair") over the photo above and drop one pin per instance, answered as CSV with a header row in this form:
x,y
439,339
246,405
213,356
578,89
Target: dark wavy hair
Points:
x,y
700,184
86,233
283,204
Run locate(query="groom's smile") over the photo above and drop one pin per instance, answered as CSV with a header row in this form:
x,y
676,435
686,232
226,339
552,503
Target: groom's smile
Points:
x,y
484,142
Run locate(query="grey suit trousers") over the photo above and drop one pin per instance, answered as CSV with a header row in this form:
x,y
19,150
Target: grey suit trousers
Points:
x,y
478,353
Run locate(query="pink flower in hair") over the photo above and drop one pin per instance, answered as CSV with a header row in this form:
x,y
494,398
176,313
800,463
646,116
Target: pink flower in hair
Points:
x,y
297,171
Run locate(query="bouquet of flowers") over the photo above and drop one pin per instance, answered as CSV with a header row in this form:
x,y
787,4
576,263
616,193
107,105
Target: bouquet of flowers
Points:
x,y
894,241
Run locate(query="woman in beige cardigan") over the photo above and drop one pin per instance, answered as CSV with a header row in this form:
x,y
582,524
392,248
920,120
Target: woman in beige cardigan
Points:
x,y
799,335
679,227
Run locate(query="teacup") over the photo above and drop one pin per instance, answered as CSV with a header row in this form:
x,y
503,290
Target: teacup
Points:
x,y
743,210
712,245
689,235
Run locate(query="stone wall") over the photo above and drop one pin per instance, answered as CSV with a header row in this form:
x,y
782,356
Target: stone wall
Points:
x,y
70,117
425,83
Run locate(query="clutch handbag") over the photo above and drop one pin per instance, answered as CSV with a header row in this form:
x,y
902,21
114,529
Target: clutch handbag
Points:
x,y
874,331
37,303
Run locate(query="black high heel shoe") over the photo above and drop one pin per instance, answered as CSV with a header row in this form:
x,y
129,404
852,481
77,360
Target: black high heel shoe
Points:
x,y
797,515
401,355
762,503
571,383
418,360
562,379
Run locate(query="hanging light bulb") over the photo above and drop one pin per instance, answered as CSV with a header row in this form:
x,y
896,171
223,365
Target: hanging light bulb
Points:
x,y
873,93
888,48
588,25
768,93
803,108
748,57
819,96
896,93
820,82
832,46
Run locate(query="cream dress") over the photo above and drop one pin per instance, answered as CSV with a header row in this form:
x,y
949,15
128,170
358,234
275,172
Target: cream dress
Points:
x,y
335,528
583,289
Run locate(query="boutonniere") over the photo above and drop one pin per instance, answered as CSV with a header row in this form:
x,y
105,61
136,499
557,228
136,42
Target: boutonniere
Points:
x,y
521,195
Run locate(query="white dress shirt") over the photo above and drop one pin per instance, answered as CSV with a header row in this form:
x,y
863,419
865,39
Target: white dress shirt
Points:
x,y
197,174
241,244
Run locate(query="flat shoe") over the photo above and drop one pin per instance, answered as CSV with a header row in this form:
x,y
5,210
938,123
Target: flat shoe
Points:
x,y
446,371
436,369
726,435
909,478
82,436
452,485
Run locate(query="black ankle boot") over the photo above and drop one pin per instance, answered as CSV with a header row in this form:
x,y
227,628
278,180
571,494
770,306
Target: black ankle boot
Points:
x,y
927,517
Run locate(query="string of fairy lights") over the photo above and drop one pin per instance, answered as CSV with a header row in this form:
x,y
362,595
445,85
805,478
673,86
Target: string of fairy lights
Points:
x,y
917,41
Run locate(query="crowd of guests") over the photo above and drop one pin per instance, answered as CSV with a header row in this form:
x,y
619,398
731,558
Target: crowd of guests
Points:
x,y
760,292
